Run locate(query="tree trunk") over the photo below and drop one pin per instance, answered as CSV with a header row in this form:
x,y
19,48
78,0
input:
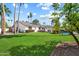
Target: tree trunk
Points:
x,y
15,19
75,38
3,20
72,32
18,20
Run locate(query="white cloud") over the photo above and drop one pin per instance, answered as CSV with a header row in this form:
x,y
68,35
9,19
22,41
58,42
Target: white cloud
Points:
x,y
13,4
26,5
34,14
44,6
7,17
42,15
48,16
45,16
28,13
17,11
51,11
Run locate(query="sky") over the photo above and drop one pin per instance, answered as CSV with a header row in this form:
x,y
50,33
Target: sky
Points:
x,y
40,11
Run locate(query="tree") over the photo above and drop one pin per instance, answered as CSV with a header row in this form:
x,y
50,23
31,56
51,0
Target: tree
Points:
x,y
15,18
3,19
3,10
56,25
35,21
55,6
19,16
55,19
7,10
30,16
71,12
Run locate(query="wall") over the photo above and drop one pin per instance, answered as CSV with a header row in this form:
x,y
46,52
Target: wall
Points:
x,y
36,29
6,29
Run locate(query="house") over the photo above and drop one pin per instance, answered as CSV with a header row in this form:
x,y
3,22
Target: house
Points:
x,y
29,27
7,29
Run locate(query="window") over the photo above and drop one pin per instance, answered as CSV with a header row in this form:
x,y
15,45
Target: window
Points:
x,y
30,28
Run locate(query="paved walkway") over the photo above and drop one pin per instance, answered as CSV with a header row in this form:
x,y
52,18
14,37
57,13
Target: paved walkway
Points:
x,y
66,50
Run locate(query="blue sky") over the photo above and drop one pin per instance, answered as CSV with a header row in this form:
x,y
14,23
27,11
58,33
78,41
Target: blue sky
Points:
x,y
40,11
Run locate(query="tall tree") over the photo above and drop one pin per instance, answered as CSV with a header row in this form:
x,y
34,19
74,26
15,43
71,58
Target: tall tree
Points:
x,y
69,11
19,16
3,19
7,10
55,19
15,18
30,16
3,10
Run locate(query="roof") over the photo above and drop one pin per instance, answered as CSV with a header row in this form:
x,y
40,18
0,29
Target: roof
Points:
x,y
47,26
29,24
24,24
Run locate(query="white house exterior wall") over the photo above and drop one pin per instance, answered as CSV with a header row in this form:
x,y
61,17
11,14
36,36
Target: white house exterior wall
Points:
x,y
0,30
36,29
27,28
5,30
46,29
33,28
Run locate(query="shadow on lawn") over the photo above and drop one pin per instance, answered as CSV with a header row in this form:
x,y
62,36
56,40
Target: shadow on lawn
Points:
x,y
10,36
35,50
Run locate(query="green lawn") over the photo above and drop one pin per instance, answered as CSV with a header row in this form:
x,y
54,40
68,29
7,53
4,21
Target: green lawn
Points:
x,y
29,39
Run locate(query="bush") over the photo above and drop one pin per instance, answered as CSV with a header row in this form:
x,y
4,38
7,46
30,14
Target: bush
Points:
x,y
29,30
35,50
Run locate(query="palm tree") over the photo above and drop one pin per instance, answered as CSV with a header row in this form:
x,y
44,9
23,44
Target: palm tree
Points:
x,y
3,19
30,16
3,10
19,16
7,11
15,19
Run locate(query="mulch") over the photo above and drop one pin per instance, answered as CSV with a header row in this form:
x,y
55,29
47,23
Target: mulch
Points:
x,y
66,49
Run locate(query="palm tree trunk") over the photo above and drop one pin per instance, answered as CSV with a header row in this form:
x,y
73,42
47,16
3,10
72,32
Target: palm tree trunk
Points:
x,y
15,19
18,19
3,19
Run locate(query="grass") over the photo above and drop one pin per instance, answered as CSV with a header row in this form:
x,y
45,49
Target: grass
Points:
x,y
29,39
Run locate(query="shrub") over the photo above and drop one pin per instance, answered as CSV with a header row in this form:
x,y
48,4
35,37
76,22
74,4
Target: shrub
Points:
x,y
29,30
35,50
